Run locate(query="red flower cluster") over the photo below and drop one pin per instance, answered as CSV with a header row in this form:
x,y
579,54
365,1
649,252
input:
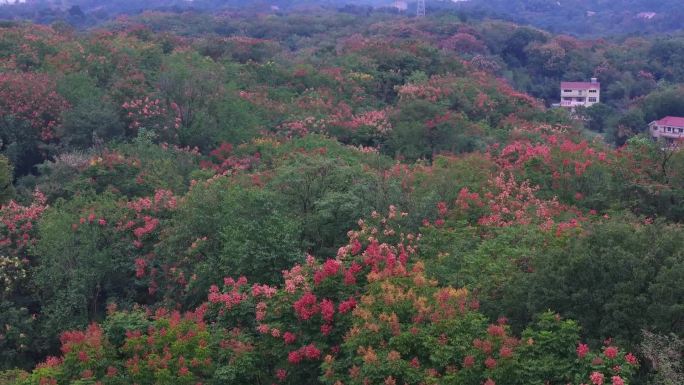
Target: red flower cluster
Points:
x,y
92,336
223,161
306,306
346,305
330,268
496,331
289,338
307,352
327,310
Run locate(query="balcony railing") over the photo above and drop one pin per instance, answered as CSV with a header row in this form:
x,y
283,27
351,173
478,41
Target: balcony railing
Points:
x,y
670,134
571,103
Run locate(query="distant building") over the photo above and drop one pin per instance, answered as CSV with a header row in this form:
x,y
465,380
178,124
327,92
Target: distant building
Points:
x,y
401,5
670,128
646,15
575,94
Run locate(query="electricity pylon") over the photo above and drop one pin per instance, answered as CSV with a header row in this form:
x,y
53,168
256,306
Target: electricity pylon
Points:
x,y
420,11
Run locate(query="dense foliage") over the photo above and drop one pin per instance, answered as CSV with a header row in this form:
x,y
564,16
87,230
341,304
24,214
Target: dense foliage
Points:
x,y
587,17
328,198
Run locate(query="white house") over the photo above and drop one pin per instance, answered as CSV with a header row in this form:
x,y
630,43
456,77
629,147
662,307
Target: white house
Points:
x,y
575,94
670,128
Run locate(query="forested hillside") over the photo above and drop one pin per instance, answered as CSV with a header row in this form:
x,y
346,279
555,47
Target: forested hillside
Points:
x,y
582,18
588,17
327,197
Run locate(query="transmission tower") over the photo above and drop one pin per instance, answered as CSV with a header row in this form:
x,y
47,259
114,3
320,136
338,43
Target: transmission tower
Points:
x,y
420,11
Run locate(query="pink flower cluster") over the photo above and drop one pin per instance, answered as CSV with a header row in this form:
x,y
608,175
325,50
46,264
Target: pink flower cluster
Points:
x,y
295,279
233,297
378,120
263,290
162,200
19,224
582,350
150,224
32,97
152,113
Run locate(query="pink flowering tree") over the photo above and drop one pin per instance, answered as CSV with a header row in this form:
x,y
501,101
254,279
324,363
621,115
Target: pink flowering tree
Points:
x,y
18,233
33,98
153,114
577,172
224,161
31,111
507,202
18,226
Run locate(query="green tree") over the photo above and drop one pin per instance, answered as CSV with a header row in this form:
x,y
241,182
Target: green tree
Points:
x,y
191,82
514,52
597,116
623,127
551,356
667,102
228,119
606,279
327,195
6,180
259,239
81,265
234,231
90,122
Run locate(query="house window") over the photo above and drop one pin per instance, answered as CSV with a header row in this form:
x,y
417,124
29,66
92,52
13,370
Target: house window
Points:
x,y
592,99
669,129
567,99
567,90
681,130
592,91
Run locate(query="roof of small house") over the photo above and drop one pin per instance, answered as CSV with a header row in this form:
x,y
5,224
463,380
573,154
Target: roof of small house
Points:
x,y
580,85
673,121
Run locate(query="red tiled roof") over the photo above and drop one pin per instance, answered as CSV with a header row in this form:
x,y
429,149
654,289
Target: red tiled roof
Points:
x,y
580,85
674,121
